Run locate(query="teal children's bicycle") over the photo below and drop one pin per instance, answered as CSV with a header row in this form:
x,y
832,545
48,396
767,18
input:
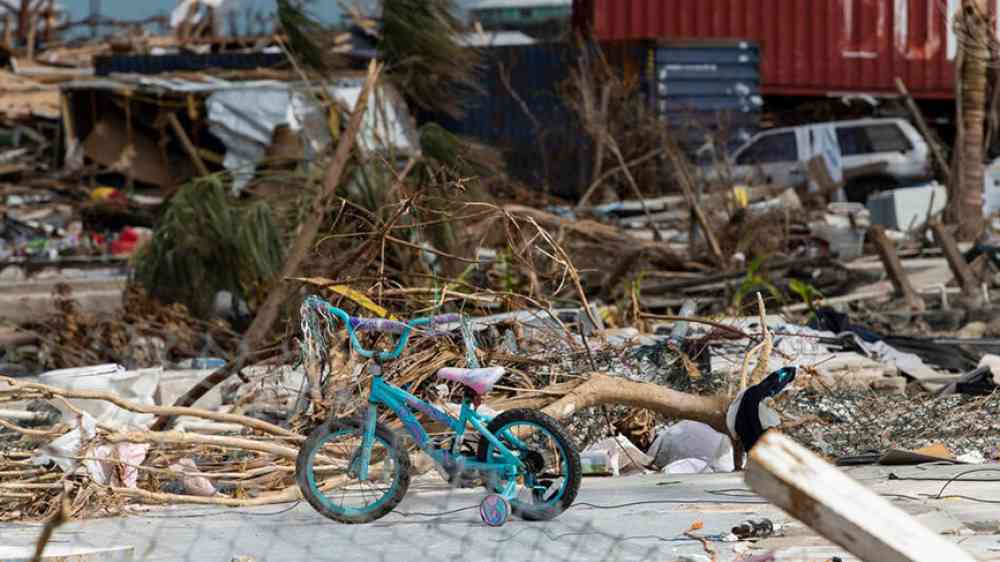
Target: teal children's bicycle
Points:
x,y
356,470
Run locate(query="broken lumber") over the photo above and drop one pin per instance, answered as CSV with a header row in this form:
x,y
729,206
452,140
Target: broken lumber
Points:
x,y
592,233
687,185
918,118
839,508
189,147
963,273
894,269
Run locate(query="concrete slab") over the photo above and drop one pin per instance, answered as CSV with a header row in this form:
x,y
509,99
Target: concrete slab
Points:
x,y
68,553
627,519
21,302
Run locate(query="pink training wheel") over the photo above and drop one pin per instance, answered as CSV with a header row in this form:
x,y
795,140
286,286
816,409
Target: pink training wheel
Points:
x,y
494,510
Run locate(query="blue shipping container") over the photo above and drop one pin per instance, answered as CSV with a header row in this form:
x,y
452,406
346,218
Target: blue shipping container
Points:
x,y
706,87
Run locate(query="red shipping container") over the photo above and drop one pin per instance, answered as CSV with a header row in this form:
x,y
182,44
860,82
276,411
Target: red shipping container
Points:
x,y
809,47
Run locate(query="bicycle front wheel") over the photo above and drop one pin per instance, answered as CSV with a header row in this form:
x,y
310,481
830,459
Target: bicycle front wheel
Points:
x,y
328,467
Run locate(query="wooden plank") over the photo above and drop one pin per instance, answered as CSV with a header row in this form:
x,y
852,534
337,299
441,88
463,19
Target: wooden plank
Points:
x,y
918,118
189,147
963,273
841,509
894,269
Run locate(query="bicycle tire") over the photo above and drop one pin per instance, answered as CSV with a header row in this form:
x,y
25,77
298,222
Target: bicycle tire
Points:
x,y
573,469
351,428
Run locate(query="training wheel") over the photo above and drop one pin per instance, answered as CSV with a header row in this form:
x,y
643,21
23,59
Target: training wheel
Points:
x,y
494,510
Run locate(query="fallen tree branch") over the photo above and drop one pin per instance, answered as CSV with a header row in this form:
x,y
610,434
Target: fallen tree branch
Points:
x,y
289,494
178,438
601,389
249,422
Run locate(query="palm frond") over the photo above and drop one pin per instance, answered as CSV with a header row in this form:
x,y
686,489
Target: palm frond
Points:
x,y
205,244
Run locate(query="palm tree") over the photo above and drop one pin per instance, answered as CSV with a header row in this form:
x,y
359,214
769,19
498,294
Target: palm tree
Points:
x,y
965,203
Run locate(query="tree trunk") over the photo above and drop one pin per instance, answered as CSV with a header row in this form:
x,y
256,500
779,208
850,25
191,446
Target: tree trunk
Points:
x,y
967,200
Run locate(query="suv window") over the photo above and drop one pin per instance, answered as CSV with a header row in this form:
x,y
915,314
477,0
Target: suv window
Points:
x,y
887,138
868,139
780,147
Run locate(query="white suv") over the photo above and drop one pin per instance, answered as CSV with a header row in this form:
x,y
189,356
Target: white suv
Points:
x,y
779,156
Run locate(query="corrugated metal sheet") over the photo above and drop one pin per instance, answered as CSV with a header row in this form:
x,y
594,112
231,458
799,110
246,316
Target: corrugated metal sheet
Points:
x,y
159,64
809,47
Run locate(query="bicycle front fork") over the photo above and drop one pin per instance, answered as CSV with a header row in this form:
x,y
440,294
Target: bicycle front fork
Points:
x,y
367,442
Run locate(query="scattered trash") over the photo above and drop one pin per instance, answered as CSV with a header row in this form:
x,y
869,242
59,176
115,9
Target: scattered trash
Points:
x,y
193,484
596,463
751,529
622,456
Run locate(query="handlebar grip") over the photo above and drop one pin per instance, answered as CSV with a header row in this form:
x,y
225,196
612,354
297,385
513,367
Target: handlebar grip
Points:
x,y
377,325
445,319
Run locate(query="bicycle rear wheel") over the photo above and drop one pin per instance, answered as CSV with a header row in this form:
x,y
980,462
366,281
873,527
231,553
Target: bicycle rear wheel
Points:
x,y
326,471
552,473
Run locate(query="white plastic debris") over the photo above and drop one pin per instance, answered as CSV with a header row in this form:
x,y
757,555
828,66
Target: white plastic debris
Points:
x,y
190,10
623,456
690,447
595,463
63,450
134,386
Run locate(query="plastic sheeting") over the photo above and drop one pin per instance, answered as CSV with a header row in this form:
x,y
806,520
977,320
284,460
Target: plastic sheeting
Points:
x,y
134,386
182,10
245,119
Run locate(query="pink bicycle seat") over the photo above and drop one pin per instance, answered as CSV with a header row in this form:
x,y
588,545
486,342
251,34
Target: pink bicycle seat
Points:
x,y
481,381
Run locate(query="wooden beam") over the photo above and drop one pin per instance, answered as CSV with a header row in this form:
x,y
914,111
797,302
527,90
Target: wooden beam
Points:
x,y
841,509
918,118
189,147
687,184
963,272
894,269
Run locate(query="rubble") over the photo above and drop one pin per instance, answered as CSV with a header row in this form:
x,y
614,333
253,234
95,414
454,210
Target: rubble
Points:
x,y
170,220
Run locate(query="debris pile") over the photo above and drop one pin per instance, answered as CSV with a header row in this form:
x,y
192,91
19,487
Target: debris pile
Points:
x,y
172,201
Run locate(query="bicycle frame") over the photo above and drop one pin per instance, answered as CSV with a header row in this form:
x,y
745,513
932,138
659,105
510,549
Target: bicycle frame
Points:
x,y
401,402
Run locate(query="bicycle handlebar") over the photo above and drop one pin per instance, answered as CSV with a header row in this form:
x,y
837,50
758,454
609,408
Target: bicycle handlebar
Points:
x,y
396,327
404,330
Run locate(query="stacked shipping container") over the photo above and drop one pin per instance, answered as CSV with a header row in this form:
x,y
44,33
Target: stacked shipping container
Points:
x,y
808,47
